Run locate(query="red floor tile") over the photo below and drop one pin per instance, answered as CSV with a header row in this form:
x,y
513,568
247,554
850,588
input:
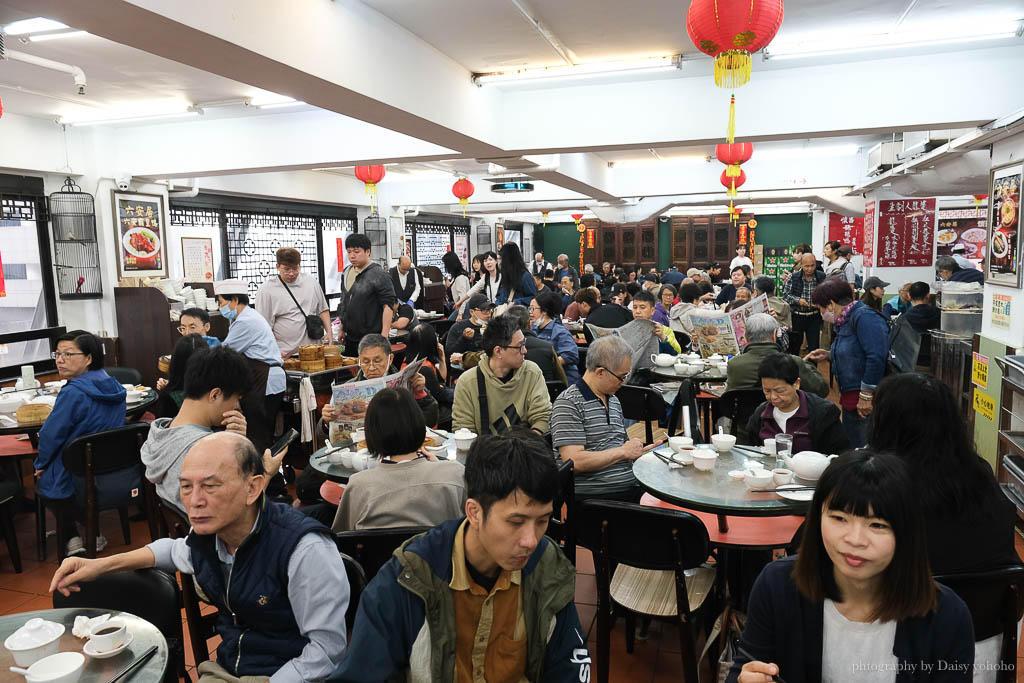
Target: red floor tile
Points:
x,y
586,589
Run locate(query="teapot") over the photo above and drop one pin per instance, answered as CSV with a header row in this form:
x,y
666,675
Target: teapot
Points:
x,y
808,464
663,359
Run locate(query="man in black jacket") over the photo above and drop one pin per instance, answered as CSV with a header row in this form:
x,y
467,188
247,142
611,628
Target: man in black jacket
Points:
x,y
601,315
407,281
922,316
367,295
465,335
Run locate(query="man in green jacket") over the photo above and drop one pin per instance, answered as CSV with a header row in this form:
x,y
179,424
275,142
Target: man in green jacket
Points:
x,y
513,387
742,369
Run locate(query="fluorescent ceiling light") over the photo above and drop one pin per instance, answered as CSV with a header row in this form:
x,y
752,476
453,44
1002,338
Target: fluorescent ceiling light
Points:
x,y
653,64
36,25
853,44
129,118
281,105
40,37
270,100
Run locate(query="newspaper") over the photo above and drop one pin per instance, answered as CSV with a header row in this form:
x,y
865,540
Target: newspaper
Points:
x,y
639,335
721,332
353,398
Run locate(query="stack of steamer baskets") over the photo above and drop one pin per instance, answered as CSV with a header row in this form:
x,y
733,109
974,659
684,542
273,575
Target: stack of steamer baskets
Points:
x,y
311,358
332,357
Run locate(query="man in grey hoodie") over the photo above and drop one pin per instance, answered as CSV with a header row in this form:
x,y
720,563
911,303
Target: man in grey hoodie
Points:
x,y
215,381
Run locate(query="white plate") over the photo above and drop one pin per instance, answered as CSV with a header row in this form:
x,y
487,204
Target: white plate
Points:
x,y
148,233
88,649
800,496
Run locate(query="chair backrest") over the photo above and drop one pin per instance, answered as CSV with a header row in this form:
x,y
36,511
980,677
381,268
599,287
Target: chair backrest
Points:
x,y
124,375
356,586
151,594
432,273
738,405
372,548
563,513
641,403
555,388
113,449
671,539
995,599
176,522
588,334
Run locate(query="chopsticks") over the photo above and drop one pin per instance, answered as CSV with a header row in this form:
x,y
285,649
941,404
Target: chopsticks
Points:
x,y
142,658
752,449
752,658
787,488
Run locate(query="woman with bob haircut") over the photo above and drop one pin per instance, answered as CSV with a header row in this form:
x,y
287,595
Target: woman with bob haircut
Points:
x,y
517,285
408,488
860,348
858,603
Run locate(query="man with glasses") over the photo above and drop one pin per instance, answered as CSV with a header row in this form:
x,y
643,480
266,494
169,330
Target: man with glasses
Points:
x,y
465,335
504,390
197,321
587,426
287,298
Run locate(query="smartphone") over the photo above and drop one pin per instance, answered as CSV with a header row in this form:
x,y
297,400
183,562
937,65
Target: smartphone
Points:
x,y
651,447
283,442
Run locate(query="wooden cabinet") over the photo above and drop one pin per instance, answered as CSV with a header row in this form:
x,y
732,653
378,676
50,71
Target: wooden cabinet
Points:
x,y
629,243
697,240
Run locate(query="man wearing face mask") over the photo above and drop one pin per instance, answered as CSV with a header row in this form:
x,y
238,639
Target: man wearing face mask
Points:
x,y
249,333
465,336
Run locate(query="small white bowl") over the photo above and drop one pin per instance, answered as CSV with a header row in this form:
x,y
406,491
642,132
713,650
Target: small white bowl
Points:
x,y
346,458
737,475
38,638
782,476
677,442
63,667
704,460
757,479
360,461
723,442
439,452
133,396
464,439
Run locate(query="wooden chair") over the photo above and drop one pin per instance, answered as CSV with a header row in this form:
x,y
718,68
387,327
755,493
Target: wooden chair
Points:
x,y
562,527
555,388
10,491
738,405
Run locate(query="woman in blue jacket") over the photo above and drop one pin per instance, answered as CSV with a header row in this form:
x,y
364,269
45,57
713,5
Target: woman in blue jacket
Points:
x,y
517,285
858,603
545,313
92,401
860,348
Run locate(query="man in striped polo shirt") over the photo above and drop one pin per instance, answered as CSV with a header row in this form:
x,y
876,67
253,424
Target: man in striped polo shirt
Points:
x,y
587,426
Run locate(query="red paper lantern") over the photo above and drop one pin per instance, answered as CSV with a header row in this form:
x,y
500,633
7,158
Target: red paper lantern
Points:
x,y
1,108
732,30
463,189
732,183
734,154
577,217
370,175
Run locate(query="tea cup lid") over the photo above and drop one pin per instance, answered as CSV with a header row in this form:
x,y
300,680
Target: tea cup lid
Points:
x,y
34,633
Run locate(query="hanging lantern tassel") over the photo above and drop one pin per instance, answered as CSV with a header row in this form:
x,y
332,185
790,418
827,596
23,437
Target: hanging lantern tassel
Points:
x,y
544,215
732,68
979,199
731,131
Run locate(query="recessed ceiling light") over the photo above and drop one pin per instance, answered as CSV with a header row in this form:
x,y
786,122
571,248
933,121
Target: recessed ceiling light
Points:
x,y
652,64
36,25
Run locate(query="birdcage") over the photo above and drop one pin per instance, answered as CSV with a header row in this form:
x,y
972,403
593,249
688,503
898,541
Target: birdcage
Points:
x,y
376,229
76,253
483,238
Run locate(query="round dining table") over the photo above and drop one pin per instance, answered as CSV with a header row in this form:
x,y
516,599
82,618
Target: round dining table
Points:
x,y
144,636
132,412
710,374
340,474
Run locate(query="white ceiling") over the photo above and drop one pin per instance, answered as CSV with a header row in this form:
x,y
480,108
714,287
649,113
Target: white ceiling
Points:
x,y
492,35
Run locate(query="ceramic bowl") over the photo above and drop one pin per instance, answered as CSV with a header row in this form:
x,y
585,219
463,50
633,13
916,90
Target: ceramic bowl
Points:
x,y
10,405
360,461
677,442
35,640
723,442
64,667
439,452
757,479
704,460
781,476
737,475
464,439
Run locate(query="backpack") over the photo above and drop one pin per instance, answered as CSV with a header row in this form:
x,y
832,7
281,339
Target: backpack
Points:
x,y
858,280
904,345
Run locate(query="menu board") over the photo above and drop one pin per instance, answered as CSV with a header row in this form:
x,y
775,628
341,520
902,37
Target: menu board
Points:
x,y
962,226
846,229
1003,262
140,235
462,248
868,243
197,258
906,228
431,248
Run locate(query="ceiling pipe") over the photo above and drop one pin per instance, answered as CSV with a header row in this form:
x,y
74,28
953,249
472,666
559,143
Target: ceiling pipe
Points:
x,y
75,71
545,33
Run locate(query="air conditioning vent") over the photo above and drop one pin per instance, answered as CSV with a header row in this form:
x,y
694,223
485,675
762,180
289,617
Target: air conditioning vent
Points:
x,y
509,188
1,45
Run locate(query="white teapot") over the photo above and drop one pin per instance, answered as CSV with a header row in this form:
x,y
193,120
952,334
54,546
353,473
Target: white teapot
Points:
x,y
663,360
808,464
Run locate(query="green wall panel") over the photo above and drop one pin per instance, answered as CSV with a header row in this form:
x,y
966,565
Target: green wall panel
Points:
x,y
664,243
783,230
560,238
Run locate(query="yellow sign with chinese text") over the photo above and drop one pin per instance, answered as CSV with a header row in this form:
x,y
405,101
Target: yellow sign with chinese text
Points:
x,y
979,374
984,404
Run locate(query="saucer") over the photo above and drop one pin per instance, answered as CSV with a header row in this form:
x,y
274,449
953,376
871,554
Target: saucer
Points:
x,y
88,648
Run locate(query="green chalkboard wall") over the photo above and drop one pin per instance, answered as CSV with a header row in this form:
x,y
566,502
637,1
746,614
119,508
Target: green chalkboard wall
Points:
x,y
559,238
783,230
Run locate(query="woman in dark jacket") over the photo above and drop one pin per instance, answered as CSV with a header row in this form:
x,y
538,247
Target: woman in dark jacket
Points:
x,y
858,602
860,348
813,421
517,285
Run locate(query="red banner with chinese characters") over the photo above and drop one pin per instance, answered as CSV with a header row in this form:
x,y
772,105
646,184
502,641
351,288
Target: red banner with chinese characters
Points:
x,y
906,230
846,229
743,233
341,254
590,238
3,285
868,234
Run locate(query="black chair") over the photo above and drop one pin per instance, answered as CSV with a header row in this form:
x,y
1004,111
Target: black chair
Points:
x,y
555,388
587,334
562,527
151,594
686,400
668,554
9,493
372,548
356,586
738,405
995,599
124,375
641,403
109,452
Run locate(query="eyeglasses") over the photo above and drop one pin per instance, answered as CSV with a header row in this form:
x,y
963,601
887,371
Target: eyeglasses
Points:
x,y
187,330
373,363
534,308
58,355
518,347
621,378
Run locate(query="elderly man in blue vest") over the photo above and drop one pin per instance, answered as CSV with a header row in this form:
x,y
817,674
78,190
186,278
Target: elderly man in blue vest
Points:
x,y
274,574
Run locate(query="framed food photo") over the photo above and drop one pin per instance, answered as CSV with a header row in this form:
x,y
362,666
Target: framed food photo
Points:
x,y
1003,247
140,235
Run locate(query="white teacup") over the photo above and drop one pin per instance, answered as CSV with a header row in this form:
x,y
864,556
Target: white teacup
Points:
x,y
677,442
704,459
782,476
360,461
723,442
769,446
757,479
108,636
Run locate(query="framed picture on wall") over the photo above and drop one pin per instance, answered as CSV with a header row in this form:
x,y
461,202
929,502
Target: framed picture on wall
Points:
x,y
197,259
1002,242
139,232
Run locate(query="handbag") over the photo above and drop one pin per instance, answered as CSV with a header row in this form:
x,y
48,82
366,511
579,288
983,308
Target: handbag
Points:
x,y
314,325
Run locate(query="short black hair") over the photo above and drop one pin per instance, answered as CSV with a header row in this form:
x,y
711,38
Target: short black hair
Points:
x,y
918,291
644,296
357,240
519,460
550,304
197,313
87,343
183,350
218,368
240,298
740,268
713,266
833,244
689,292
548,274
779,366
587,280
499,332
705,287
632,288
521,314
394,423
764,284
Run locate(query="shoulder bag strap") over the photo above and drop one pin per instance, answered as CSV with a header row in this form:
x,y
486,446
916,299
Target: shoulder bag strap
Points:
x,y
287,289
485,417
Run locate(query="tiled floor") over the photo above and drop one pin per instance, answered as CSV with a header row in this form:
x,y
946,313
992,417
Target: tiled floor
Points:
x,y
654,660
